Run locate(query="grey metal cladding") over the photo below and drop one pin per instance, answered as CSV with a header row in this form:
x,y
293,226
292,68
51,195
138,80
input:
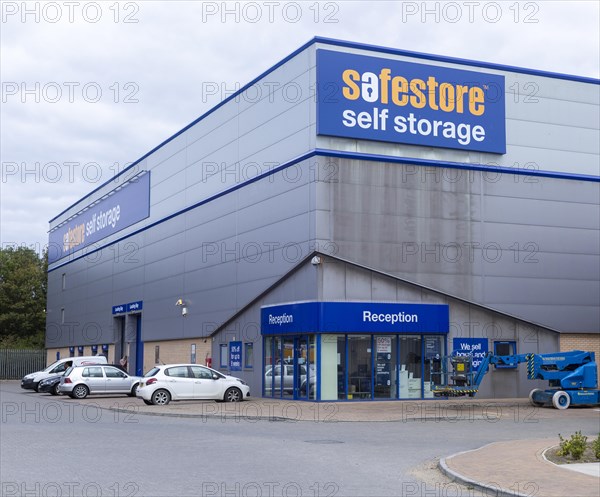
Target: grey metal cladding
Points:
x,y
244,132
503,249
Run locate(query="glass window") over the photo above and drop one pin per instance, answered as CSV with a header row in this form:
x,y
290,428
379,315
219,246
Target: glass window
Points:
x,y
341,366
114,373
200,372
152,372
248,355
177,372
93,372
60,368
433,364
385,367
312,368
411,363
287,382
268,366
223,349
505,348
359,366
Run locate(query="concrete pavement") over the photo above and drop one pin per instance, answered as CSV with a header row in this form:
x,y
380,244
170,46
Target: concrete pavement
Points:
x,y
519,468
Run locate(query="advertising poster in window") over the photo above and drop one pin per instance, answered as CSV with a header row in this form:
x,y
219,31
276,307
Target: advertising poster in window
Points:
x,y
235,356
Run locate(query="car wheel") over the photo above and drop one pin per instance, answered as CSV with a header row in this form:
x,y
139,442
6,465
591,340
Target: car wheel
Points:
x,y
147,402
55,389
133,389
36,387
561,400
80,392
161,398
233,395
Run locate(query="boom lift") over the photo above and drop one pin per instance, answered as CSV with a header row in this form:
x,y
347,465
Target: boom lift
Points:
x,y
572,377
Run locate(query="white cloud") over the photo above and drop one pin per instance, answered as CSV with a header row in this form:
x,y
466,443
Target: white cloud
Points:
x,y
160,63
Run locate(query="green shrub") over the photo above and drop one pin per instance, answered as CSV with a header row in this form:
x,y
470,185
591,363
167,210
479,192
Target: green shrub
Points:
x,y
575,446
596,447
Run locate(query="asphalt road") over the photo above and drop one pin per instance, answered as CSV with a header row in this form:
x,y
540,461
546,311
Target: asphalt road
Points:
x,y
55,446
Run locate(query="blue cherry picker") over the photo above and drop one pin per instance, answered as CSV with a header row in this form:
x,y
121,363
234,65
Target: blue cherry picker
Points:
x,y
572,377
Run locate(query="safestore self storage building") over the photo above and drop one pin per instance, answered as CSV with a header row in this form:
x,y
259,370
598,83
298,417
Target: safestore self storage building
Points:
x,y
341,223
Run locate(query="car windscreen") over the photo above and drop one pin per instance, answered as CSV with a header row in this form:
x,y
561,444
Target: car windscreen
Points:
x,y
49,368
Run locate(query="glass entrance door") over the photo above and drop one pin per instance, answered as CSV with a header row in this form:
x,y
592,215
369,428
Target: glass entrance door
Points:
x,y
359,367
301,387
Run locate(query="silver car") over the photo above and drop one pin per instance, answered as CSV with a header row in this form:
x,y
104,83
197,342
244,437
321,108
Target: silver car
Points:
x,y
274,375
81,381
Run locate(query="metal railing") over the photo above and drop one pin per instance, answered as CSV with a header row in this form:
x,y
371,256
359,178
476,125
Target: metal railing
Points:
x,y
14,364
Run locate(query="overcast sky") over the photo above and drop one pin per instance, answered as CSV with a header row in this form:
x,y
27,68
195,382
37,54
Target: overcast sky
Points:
x,y
88,87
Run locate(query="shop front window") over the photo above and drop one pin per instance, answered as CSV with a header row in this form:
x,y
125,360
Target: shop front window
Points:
x,y
410,367
359,367
385,367
433,364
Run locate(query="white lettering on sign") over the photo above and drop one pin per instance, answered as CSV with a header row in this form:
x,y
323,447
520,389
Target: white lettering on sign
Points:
x,y
399,317
103,219
282,319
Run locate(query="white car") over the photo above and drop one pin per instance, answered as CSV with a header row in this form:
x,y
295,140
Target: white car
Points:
x,y
169,382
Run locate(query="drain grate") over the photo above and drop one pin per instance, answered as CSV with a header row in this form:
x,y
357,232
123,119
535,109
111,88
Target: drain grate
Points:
x,y
323,442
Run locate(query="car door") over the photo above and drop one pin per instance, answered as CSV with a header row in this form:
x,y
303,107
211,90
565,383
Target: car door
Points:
x,y
205,386
179,382
93,377
116,380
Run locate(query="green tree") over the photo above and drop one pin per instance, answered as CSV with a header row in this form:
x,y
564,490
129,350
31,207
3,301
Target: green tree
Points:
x,y
23,285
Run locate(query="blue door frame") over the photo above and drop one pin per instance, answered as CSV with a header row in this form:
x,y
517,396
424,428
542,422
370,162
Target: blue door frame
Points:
x,y
139,346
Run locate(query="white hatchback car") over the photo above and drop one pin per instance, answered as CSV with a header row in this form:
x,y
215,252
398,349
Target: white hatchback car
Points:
x,y
169,382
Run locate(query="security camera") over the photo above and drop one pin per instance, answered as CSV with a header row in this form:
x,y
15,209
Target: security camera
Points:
x,y
184,311
316,260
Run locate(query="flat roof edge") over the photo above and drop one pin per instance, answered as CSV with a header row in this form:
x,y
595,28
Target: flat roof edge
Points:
x,y
457,60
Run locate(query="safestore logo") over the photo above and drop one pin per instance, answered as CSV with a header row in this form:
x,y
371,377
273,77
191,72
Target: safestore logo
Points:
x,y
374,98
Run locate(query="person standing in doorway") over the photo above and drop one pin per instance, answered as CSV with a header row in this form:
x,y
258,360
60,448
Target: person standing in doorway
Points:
x,y
123,362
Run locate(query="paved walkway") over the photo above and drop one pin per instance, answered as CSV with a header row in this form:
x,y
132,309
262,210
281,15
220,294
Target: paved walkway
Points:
x,y
519,468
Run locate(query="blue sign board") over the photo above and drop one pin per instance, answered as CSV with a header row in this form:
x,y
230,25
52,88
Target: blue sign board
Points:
x,y
354,317
125,308
123,207
235,356
475,347
374,98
